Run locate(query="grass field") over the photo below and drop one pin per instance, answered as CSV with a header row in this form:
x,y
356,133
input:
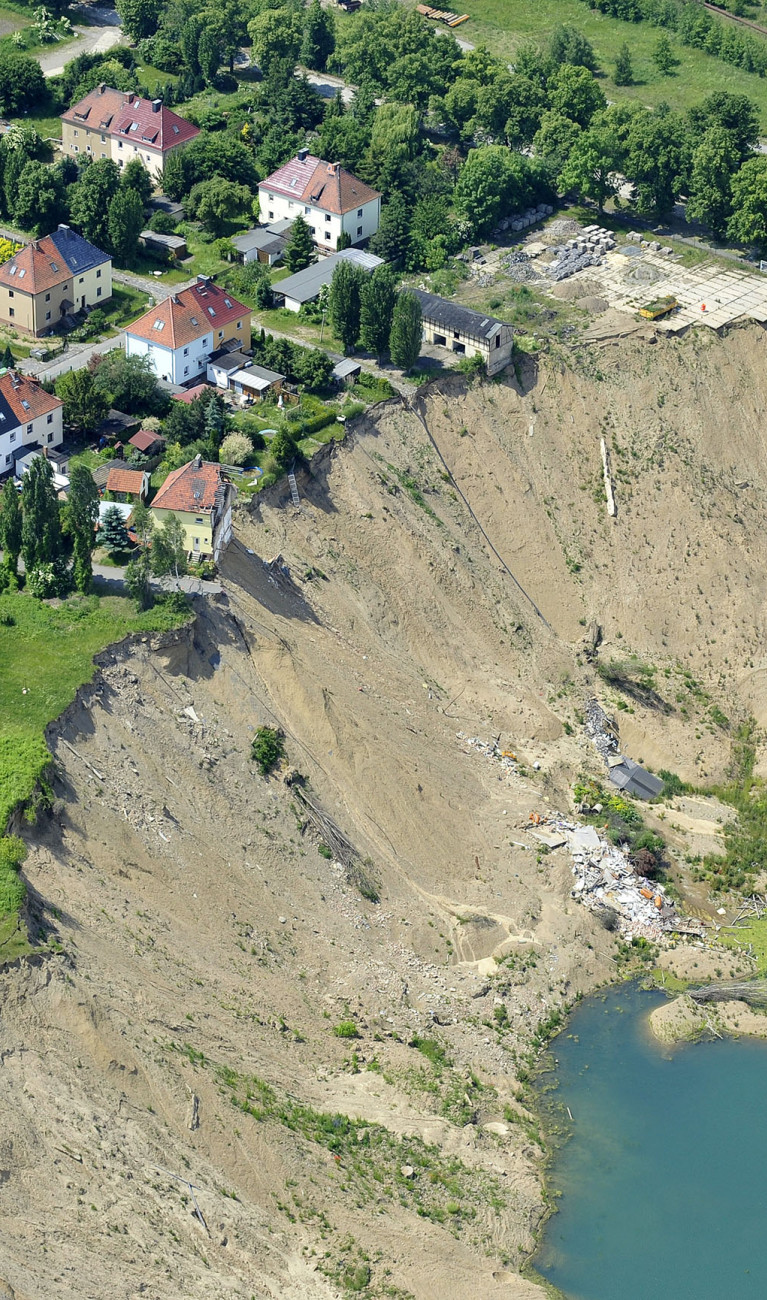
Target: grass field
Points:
x,y
503,25
46,653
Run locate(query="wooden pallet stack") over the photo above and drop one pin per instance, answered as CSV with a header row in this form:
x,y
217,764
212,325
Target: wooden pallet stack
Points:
x,y
442,15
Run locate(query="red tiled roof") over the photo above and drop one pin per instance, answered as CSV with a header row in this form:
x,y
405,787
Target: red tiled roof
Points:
x,y
126,480
132,118
145,439
26,398
193,488
191,394
324,185
37,267
188,315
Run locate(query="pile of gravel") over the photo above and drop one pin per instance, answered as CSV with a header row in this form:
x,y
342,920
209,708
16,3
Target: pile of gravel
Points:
x,y
562,228
517,267
576,289
593,304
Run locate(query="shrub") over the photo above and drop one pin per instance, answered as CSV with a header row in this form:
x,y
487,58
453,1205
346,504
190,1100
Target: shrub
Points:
x,y
346,1029
268,749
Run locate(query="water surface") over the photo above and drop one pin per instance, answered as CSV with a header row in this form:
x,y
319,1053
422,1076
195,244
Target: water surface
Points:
x,y
664,1180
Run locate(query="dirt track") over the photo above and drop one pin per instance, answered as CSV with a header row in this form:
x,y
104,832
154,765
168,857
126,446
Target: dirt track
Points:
x,y
196,915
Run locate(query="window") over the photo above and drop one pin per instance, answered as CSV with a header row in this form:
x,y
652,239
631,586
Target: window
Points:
x,y
327,216
47,297
29,428
49,420
220,334
199,520
270,198
359,212
13,436
88,149
290,203
11,294
75,134
103,139
271,216
186,352
186,370
74,146
307,211
359,231
82,277
47,315
238,325
327,234
98,293
8,460
50,437
98,275
119,144
11,311
103,155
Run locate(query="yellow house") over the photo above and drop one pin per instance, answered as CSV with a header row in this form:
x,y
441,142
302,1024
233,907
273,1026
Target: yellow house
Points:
x,y
122,126
201,499
53,277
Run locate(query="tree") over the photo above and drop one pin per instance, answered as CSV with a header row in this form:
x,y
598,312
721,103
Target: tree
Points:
x,y
39,203
299,250
209,154
22,84
344,303
84,404
83,511
41,530
113,533
656,158
283,449
168,553
126,221
140,18
136,177
406,331
748,223
593,163
10,529
142,523
568,45
209,53
319,40
663,56
624,69
554,142
276,36
90,199
493,181
138,580
236,449
392,239
129,383
736,114
713,164
574,93
377,309
217,202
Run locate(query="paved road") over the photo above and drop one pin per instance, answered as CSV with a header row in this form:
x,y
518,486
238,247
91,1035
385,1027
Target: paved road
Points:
x,y
76,357
90,40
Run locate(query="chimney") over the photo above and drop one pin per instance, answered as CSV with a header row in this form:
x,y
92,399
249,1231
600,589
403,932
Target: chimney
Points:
x,y
156,105
63,226
302,155
198,461
203,279
102,87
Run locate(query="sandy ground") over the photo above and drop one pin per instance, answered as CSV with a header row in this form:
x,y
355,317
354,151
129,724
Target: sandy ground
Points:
x,y
427,593
683,1020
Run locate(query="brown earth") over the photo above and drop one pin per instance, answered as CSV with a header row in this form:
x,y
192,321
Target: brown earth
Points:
x,y
208,948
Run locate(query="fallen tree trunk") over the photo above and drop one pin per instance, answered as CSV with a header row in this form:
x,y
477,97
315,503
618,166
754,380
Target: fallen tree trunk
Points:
x,y
754,992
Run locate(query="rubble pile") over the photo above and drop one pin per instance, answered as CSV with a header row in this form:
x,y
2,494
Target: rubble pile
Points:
x,y
506,757
605,881
517,266
600,729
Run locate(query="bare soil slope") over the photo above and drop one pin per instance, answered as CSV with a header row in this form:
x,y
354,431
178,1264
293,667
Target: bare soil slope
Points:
x,y
209,949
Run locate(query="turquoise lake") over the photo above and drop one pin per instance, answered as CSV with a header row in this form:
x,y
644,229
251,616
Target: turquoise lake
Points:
x,y
664,1180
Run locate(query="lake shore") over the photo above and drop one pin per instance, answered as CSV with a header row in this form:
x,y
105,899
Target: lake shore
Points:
x,y
683,1020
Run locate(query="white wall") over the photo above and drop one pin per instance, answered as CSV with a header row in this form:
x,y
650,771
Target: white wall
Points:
x,y
327,226
47,435
176,366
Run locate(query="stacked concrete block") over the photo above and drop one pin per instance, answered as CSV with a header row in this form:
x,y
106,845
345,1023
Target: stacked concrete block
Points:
x,y
520,221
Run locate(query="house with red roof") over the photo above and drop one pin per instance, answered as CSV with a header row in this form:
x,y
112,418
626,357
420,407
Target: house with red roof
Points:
x,y
30,419
201,499
122,126
181,333
326,195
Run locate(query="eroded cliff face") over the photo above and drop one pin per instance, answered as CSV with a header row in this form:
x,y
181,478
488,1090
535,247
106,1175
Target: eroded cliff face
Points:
x,y
209,949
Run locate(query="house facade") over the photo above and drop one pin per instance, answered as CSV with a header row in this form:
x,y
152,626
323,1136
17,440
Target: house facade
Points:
x,y
53,277
201,499
330,199
30,419
465,332
122,126
180,334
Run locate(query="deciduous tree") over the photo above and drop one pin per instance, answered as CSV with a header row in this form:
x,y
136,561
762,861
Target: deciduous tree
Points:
x,y
168,553
90,199
41,541
344,303
377,309
126,221
319,38
406,331
84,404
10,529
83,510
713,164
748,223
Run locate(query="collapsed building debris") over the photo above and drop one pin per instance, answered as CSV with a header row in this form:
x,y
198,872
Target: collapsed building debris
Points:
x,y
491,749
600,729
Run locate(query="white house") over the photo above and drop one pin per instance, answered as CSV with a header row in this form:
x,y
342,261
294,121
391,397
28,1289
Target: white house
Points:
x,y
329,198
122,126
30,419
181,333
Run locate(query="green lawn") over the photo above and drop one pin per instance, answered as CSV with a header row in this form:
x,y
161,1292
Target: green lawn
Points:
x,y
125,305
153,77
503,25
46,653
754,933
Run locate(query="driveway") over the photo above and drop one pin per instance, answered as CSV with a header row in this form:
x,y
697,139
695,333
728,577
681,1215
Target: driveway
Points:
x,y
95,39
114,579
75,357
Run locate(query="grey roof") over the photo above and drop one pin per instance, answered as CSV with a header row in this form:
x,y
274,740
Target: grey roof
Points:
x,y
632,778
257,372
167,241
280,227
453,316
346,367
306,284
261,239
229,361
78,254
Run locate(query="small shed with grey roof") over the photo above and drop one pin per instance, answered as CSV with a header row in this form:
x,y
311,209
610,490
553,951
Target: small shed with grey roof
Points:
x,y
305,285
635,780
170,245
346,371
260,245
465,331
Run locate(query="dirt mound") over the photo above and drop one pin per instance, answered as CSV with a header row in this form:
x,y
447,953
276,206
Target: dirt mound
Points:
x,y
570,290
